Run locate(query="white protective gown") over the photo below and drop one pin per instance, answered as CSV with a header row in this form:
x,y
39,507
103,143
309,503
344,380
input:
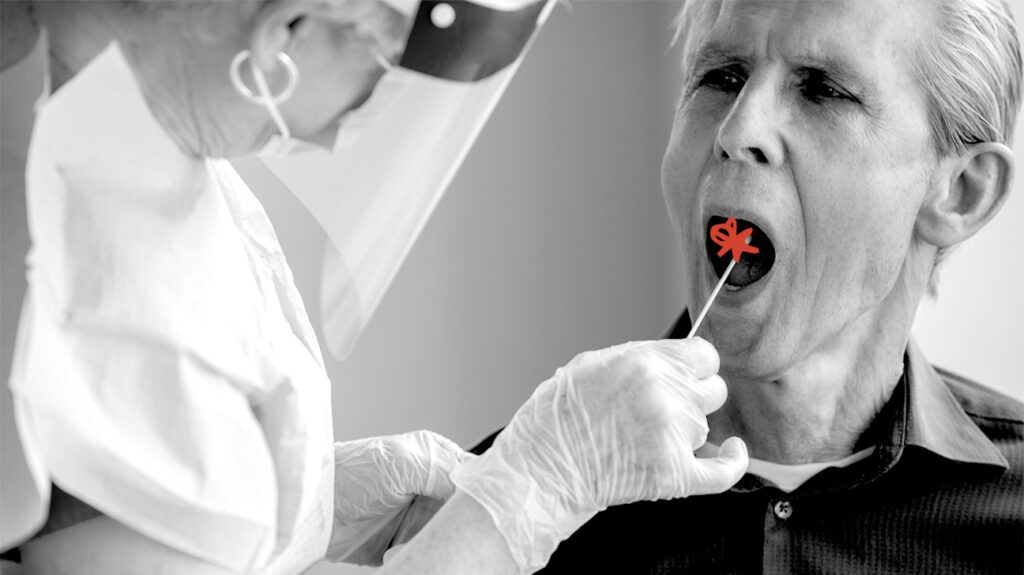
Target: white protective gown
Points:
x,y
165,371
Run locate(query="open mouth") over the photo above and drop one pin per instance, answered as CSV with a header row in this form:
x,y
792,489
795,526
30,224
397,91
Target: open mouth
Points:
x,y
751,267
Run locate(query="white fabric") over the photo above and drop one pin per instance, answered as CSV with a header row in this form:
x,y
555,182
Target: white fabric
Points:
x,y
788,477
166,372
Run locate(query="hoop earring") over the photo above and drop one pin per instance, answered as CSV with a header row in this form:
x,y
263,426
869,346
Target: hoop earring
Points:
x,y
262,99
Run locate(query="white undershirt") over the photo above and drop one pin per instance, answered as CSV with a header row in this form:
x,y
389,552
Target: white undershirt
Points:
x,y
789,477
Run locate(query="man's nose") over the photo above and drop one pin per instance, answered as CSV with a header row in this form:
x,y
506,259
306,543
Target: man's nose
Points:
x,y
748,133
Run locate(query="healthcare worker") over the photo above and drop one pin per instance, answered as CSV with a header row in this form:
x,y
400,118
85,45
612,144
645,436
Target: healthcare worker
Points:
x,y
166,376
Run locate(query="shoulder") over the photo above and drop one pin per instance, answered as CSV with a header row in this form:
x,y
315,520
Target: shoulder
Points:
x,y
999,416
990,409
486,443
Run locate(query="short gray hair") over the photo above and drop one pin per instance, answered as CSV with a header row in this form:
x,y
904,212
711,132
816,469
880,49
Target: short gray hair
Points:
x,y
971,74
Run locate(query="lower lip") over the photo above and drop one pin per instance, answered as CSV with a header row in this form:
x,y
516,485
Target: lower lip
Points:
x,y
736,297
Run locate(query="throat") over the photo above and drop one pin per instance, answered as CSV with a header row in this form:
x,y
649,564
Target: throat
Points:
x,y
823,409
826,404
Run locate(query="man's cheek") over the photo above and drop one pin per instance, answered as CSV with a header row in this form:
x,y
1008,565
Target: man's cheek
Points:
x,y
678,200
680,175
876,264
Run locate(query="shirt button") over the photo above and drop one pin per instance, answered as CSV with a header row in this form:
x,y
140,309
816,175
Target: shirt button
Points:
x,y
783,509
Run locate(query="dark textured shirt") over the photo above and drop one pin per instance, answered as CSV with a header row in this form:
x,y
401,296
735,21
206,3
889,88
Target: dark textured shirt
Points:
x,y
943,492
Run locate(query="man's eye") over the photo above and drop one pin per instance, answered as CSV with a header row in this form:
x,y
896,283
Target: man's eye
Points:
x,y
722,79
819,91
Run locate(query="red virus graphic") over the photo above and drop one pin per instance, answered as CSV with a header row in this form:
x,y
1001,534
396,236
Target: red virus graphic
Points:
x,y
726,237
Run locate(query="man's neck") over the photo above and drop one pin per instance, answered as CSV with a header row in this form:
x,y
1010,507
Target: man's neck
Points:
x,y
822,406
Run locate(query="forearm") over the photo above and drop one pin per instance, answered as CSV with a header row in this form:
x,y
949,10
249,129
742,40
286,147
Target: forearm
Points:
x,y
104,546
460,539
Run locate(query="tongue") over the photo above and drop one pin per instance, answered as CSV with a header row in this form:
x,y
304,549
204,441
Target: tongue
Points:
x,y
751,267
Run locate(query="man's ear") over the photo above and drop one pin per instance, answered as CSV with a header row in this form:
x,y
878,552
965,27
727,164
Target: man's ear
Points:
x,y
973,188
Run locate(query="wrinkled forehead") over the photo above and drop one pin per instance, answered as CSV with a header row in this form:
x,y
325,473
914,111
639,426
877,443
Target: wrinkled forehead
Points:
x,y
869,33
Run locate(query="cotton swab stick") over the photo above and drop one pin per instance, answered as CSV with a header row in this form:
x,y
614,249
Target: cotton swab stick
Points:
x,y
725,235
711,299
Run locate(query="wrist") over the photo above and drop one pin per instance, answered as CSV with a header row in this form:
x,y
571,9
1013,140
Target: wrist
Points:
x,y
534,509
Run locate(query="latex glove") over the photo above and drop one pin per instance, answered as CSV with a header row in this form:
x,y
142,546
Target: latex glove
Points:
x,y
376,479
613,426
419,513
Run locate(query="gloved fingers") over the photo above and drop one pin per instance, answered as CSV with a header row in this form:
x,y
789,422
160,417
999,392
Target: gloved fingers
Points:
x,y
439,456
690,427
718,474
376,474
709,393
696,353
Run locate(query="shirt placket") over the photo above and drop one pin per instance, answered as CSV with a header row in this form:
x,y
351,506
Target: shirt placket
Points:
x,y
777,556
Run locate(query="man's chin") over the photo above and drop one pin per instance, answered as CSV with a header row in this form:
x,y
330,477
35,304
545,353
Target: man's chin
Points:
x,y
732,338
749,348
744,323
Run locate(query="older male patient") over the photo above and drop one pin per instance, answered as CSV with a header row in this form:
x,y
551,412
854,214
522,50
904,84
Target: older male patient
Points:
x,y
861,141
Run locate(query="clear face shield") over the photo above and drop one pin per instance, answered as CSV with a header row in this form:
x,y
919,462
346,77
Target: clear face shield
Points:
x,y
396,154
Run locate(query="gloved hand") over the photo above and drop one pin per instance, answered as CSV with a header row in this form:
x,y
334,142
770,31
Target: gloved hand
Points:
x,y
613,426
375,480
420,512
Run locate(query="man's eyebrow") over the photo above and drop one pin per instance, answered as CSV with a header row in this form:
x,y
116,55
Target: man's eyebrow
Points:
x,y
837,67
715,54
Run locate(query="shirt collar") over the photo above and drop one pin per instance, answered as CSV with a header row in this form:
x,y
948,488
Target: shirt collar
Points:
x,y
922,412
934,420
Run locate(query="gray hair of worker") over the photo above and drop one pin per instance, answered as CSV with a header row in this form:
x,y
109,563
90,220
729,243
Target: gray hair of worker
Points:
x,y
970,71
